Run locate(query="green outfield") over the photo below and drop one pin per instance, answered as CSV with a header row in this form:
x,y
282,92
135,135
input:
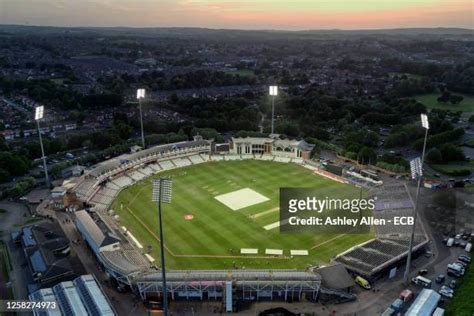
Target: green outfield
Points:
x,y
431,102
212,239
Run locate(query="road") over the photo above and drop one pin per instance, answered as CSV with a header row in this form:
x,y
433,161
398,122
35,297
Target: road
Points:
x,y
15,215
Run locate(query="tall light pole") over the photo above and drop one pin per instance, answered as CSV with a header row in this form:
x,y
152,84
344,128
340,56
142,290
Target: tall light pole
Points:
x,y
416,167
140,96
39,113
273,93
162,189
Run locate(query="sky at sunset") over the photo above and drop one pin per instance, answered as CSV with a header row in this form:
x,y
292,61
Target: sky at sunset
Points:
x,y
241,14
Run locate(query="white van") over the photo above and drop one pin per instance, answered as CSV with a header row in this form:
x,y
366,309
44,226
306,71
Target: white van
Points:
x,y
450,242
419,280
468,247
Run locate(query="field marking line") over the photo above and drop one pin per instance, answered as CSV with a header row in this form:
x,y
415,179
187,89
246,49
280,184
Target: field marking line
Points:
x,y
327,241
136,195
200,256
149,230
233,257
275,209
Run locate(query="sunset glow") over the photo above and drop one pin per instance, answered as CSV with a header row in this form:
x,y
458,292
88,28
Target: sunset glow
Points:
x,y
241,14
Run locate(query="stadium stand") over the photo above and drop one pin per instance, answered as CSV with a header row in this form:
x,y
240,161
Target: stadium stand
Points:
x,y
233,157
136,175
156,168
147,171
204,157
282,159
166,165
123,182
266,157
181,162
390,246
297,160
85,187
196,159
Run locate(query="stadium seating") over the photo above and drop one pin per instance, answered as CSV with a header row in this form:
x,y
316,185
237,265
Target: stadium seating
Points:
x,y
196,159
85,187
166,165
297,160
156,168
204,157
123,181
147,171
282,159
233,157
248,156
137,175
182,162
266,157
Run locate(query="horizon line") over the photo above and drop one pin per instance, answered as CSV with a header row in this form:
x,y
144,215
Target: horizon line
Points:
x,y
244,29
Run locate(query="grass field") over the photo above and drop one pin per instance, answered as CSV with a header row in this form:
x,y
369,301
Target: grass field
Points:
x,y
454,166
463,301
431,102
213,238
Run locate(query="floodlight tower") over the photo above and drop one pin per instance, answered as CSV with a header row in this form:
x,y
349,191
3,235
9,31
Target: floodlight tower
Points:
x,y
273,93
39,113
162,189
416,167
140,96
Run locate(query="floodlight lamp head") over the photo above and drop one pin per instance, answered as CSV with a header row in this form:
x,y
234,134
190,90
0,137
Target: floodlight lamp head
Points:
x,y
424,121
162,190
39,112
416,168
140,93
273,90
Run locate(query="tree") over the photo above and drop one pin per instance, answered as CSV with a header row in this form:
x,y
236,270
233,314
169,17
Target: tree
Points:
x,y
367,156
434,156
4,176
451,152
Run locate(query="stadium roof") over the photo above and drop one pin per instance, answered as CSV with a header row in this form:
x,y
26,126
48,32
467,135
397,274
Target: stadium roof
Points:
x,y
125,261
100,238
336,277
241,275
117,161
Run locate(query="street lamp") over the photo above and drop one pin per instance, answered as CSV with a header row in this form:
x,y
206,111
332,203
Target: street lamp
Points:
x,y
273,93
416,168
39,113
140,96
162,189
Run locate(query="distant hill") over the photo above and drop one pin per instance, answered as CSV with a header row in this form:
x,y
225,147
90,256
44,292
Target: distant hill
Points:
x,y
205,32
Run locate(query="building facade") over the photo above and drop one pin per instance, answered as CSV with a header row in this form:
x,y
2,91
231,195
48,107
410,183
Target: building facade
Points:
x,y
271,146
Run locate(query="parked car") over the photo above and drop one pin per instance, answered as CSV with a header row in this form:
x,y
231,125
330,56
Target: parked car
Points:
x,y
440,278
446,292
464,258
423,272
